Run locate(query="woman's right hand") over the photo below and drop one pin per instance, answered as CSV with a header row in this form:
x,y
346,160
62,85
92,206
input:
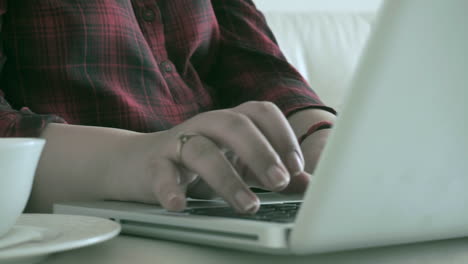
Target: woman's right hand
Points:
x,y
153,168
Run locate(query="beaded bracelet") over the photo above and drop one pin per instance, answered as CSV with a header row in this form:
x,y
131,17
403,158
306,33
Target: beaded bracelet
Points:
x,y
314,128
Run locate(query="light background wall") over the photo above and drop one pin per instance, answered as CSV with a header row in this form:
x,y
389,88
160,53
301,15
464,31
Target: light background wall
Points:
x,y
318,5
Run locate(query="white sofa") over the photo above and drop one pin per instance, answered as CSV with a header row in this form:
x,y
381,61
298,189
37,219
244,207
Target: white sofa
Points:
x,y
323,39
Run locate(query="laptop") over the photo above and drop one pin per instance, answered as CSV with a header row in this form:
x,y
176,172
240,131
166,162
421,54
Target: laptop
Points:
x,y
394,171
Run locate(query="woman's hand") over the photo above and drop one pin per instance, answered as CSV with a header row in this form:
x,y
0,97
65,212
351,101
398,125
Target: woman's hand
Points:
x,y
312,149
313,145
153,167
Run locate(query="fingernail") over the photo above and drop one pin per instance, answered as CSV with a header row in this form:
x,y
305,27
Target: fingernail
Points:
x,y
278,177
294,163
245,202
175,202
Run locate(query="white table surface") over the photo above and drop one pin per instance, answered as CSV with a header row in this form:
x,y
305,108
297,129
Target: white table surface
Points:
x,y
136,250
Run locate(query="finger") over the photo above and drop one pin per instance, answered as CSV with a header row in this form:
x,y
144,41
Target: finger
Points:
x,y
203,156
237,132
270,120
166,185
194,185
201,190
243,170
298,184
313,148
186,176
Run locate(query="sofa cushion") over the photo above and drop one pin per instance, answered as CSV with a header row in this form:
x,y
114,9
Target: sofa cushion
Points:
x,y
323,46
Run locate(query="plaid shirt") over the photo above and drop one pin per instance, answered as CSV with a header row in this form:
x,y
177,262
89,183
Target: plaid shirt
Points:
x,y
141,65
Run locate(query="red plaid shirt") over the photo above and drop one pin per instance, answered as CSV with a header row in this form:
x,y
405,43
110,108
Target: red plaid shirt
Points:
x,y
141,65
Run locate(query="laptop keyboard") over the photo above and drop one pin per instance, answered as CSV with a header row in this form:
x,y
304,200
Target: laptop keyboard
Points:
x,y
280,213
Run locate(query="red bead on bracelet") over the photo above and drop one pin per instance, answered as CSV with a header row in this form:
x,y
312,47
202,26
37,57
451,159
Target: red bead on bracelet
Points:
x,y
314,128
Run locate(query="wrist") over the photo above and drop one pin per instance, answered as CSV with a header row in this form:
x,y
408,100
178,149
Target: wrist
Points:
x,y
128,174
314,128
312,147
74,165
302,120
122,163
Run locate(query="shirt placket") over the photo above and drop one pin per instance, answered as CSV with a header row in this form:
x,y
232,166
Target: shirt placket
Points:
x,y
151,22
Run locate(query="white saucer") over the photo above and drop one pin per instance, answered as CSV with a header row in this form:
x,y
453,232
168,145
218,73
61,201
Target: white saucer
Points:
x,y
37,235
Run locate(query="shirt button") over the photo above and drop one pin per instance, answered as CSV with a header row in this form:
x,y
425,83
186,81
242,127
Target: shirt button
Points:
x,y
148,15
166,66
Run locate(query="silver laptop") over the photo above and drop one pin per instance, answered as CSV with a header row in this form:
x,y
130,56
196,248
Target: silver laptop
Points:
x,y
394,171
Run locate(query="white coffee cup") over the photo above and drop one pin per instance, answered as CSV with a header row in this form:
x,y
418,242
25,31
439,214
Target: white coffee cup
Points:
x,y
18,161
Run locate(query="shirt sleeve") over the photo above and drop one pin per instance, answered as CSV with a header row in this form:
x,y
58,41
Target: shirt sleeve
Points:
x,y
23,122
250,65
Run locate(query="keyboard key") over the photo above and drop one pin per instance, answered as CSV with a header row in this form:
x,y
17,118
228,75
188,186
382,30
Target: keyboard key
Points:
x,y
280,212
